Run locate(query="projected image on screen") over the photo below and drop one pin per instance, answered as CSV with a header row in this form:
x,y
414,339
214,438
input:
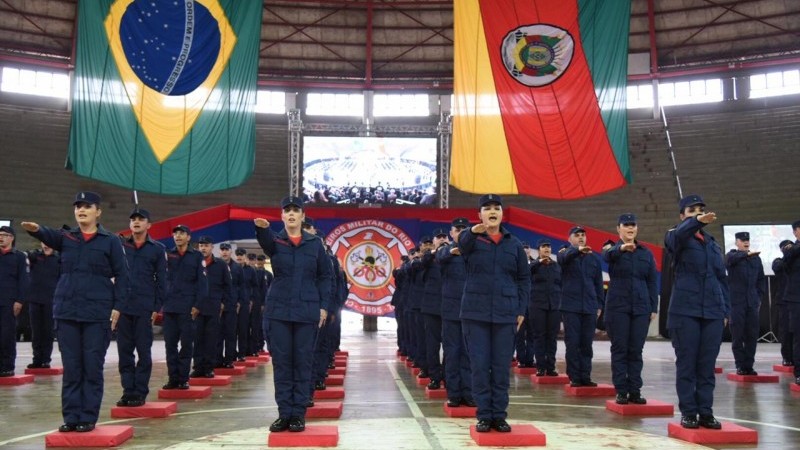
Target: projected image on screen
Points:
x,y
359,170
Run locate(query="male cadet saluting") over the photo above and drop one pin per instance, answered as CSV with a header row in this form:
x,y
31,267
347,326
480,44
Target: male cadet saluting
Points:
x,y
211,307
226,344
147,263
250,285
747,284
791,261
581,303
13,286
698,308
256,338
44,267
785,333
187,285
543,313
431,308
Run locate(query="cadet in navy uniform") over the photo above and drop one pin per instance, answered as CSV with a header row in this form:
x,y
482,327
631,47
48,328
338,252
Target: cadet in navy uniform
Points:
x,y
457,375
13,287
408,311
492,308
747,285
211,306
187,286
785,333
581,303
255,339
250,286
544,315
431,309
226,343
296,307
523,341
147,261
698,309
631,304
399,309
417,295
44,267
268,277
92,289
791,261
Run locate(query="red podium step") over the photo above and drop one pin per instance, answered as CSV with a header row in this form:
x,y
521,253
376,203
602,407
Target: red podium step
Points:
x,y
102,436
263,353
218,380
325,410
652,408
520,436
16,380
45,372
729,434
342,353
524,370
461,411
235,371
415,371
409,363
337,371
753,378
334,380
560,379
149,409
331,393
192,392
245,363
313,436
435,393
258,359
717,369
423,381
602,390
402,358
794,387
777,368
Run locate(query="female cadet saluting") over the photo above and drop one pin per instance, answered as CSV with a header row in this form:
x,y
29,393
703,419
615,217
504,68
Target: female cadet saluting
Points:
x,y
91,290
492,309
296,306
631,304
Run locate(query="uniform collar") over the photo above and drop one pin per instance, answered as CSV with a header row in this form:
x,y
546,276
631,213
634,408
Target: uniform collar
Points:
x,y
100,230
306,236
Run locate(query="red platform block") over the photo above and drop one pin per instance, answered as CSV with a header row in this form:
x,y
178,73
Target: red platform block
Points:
x,y
753,378
331,393
45,372
514,363
520,436
777,368
149,409
16,380
337,371
102,436
313,436
218,380
730,434
346,353
402,358
435,393
409,363
560,379
191,393
325,410
334,380
602,390
263,353
415,371
652,408
257,359
423,381
461,411
524,370
717,369
236,371
245,363
794,387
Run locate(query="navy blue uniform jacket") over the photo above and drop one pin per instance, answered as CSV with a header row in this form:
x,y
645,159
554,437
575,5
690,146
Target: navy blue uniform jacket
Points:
x,y
303,274
148,269
779,269
791,264
546,285
746,279
237,286
632,286
432,301
44,276
581,281
701,285
454,276
13,277
85,291
416,291
218,275
187,282
498,280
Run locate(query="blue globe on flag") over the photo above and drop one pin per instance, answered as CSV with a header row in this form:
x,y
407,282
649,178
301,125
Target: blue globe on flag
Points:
x,y
171,45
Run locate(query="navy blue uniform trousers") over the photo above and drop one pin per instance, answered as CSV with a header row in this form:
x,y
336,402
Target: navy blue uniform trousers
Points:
x,y
785,332
322,352
433,345
205,342
523,344
627,333
490,347
744,335
421,359
292,354
226,343
543,328
243,329
8,338
696,342
41,318
457,375
411,337
578,337
83,348
135,332
256,342
179,328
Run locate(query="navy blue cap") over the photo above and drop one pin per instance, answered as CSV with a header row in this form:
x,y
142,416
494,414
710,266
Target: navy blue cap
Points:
x,y
141,213
308,222
439,232
742,236
542,242
91,198
490,198
414,250
225,246
690,200
525,244
240,251
425,239
576,229
261,257
292,200
460,222
795,224
8,229
251,256
784,243
627,218
205,240
183,228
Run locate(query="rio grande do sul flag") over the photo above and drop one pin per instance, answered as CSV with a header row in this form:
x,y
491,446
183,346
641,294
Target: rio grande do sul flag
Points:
x,y
539,97
164,94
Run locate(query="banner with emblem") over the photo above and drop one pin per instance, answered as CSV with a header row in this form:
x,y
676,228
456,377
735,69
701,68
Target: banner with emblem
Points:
x,y
164,94
539,97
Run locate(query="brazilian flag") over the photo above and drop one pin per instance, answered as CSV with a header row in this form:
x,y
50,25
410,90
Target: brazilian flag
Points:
x,y
164,94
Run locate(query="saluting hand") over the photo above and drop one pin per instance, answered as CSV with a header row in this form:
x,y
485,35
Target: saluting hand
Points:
x,y
479,228
707,218
584,249
753,254
629,247
33,227
261,222
114,319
